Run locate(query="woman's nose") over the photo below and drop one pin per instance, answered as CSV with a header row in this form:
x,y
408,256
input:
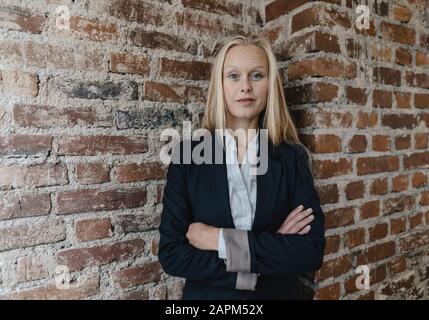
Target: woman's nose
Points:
x,y
245,86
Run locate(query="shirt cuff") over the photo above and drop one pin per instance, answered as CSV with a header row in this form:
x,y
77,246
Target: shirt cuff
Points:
x,y
221,245
237,250
246,281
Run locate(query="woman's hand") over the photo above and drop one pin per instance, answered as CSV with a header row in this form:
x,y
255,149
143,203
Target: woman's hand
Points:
x,y
297,222
203,236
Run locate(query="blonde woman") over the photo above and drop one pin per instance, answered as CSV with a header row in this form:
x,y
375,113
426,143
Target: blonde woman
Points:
x,y
233,233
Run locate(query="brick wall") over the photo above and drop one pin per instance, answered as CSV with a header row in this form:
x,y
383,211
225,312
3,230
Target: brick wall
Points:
x,y
81,110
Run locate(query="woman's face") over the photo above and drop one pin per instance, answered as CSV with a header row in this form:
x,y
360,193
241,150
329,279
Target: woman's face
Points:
x,y
245,75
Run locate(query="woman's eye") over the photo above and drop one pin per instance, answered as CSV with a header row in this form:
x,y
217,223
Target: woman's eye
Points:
x,y
258,74
234,76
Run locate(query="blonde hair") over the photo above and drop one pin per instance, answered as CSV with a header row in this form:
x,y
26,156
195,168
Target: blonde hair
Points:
x,y
276,116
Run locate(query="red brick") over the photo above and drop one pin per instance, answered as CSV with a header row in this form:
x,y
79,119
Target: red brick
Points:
x,y
382,99
278,8
397,265
219,7
133,11
85,287
366,120
331,292
416,220
321,67
421,100
92,229
78,258
397,225
41,175
25,145
422,59
354,238
402,142
128,223
41,116
377,232
387,76
13,206
27,235
424,200
403,57
397,33
322,143
356,95
311,92
376,252
356,49
399,121
370,210
156,91
410,242
33,267
400,183
320,16
334,267
11,53
417,79
133,172
421,140
419,180
134,276
332,244
380,143
401,13
357,144
16,18
195,70
339,218
372,165
403,99
355,190
398,204
92,29
123,62
92,173
76,201
332,168
416,160
328,193
379,186
47,55
381,52
93,145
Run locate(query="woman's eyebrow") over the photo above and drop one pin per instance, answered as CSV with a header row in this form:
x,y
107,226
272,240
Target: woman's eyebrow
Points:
x,y
250,69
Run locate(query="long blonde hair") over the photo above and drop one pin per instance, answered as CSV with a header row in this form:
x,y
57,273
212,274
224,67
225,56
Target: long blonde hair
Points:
x,y
276,116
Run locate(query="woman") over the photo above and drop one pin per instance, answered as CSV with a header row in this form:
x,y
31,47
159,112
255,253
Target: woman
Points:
x,y
231,233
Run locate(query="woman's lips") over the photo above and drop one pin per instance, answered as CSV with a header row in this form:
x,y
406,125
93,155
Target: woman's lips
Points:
x,y
246,101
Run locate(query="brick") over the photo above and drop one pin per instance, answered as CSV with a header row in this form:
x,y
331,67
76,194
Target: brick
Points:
x,y
86,286
355,49
402,142
27,235
25,145
43,116
354,190
422,59
370,209
134,172
424,117
397,33
126,90
138,223
419,180
320,16
381,52
328,194
366,120
313,41
322,143
332,244
20,83
380,143
42,175
92,173
376,253
158,40
93,229
339,218
416,160
387,76
93,145
78,258
409,242
152,118
382,99
400,183
33,267
162,92
397,265
403,100
356,95
381,8
134,11
311,93
218,7
122,62
403,57
424,200
13,206
421,140
334,267
354,238
69,202
397,225
379,186
321,67
134,276
20,19
424,40
47,55
372,165
357,144
278,8
377,232
331,292
416,220
92,29
399,204
421,100
11,53
332,168
195,70
417,79
135,295
399,121
155,247
401,13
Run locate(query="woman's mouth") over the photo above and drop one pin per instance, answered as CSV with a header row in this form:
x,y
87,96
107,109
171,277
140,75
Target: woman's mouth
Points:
x,y
246,101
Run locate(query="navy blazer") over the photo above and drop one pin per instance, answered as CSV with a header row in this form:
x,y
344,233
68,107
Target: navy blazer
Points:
x,y
199,193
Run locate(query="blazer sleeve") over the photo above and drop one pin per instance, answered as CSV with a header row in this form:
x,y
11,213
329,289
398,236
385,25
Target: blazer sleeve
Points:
x,y
176,256
275,253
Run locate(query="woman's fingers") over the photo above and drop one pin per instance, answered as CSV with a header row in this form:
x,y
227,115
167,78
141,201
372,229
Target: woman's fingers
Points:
x,y
303,223
293,214
305,230
297,219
